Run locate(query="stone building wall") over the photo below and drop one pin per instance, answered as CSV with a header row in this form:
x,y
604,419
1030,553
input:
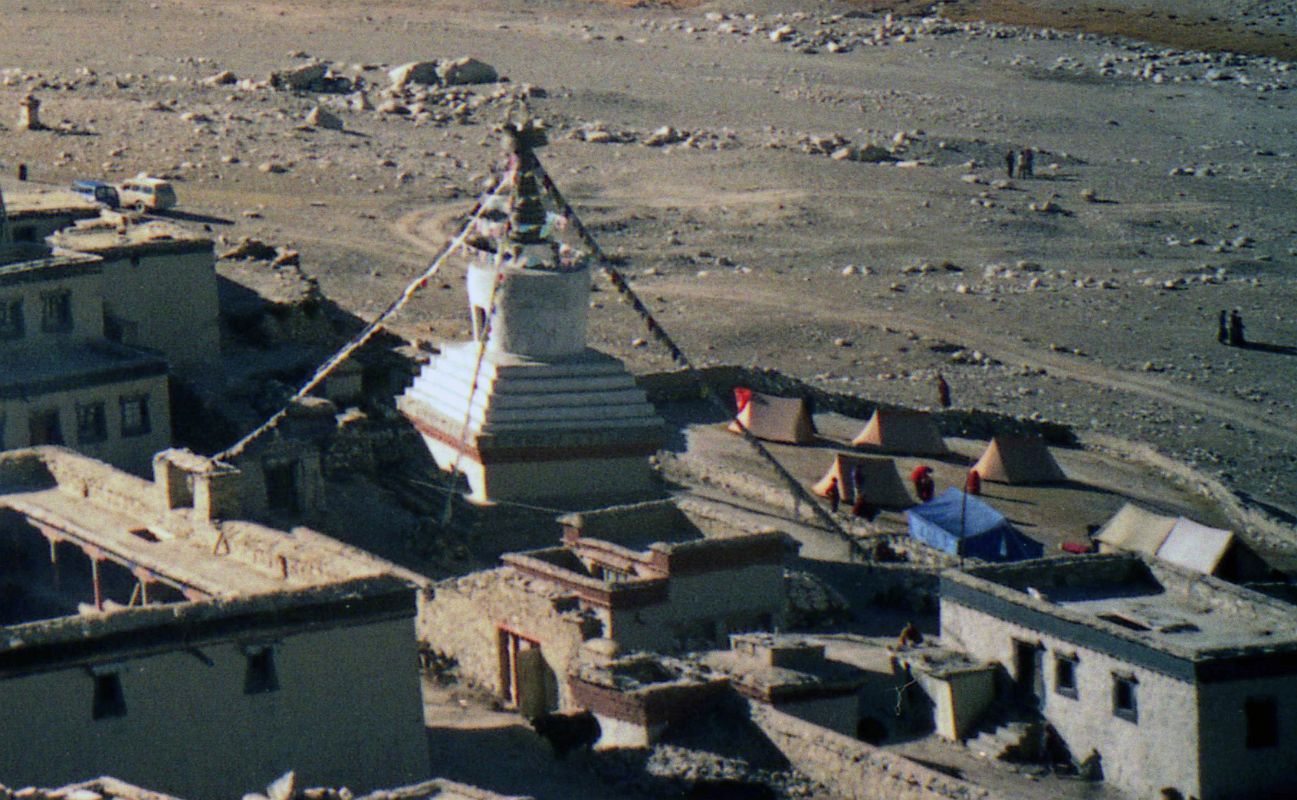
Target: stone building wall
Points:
x,y
133,453
346,712
462,618
704,609
1229,768
167,301
1159,749
856,770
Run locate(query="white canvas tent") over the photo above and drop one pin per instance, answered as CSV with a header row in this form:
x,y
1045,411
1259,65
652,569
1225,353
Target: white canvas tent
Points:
x,y
1195,546
1134,529
776,419
1018,459
1181,541
881,483
909,432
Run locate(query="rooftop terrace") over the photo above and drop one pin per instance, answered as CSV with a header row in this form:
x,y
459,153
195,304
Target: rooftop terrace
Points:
x,y
1181,613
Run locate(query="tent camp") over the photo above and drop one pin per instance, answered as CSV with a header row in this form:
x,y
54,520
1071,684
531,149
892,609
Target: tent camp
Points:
x,y
882,485
776,419
962,525
1018,459
1181,541
911,432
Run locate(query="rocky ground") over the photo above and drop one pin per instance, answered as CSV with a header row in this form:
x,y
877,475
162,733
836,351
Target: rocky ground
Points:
x,y
815,188
818,190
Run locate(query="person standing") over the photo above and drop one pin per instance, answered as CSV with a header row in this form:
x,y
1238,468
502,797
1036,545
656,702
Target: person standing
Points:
x,y
834,494
1011,163
943,391
1027,164
1222,328
924,486
1236,337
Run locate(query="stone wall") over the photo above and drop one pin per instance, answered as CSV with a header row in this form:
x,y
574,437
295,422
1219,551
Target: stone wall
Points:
x,y
100,484
346,712
679,385
856,770
461,619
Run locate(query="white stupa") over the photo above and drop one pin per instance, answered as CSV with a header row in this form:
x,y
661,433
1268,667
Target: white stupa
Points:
x,y
549,418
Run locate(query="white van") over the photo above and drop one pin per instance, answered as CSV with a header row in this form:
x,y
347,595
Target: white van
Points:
x,y
145,192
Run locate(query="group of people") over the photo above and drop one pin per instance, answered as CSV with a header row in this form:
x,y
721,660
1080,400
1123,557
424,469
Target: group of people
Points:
x,y
1021,165
1229,329
861,507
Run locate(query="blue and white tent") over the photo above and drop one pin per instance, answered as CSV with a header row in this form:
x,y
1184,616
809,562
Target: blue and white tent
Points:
x,y
965,526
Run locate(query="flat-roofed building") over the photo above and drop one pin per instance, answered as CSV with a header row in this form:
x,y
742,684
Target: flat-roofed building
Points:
x,y
159,288
645,577
61,381
35,213
1177,680
147,631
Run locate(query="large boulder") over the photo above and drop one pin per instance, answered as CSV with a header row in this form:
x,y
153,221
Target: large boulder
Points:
x,y
423,72
302,78
466,70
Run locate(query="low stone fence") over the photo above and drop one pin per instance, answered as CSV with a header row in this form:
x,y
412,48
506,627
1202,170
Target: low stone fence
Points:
x,y
679,385
856,770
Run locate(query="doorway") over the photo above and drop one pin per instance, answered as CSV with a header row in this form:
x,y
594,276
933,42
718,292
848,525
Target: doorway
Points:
x,y
525,678
1028,670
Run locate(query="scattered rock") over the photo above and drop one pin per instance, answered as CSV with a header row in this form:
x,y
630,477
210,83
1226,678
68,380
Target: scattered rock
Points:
x,y
663,136
222,78
304,78
463,71
416,72
249,249
321,118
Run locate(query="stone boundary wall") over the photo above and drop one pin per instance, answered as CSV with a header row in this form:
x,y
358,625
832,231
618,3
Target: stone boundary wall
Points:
x,y
856,770
679,385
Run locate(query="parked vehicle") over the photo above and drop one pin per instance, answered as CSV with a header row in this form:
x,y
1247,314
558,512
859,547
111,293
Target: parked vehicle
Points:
x,y
144,192
105,194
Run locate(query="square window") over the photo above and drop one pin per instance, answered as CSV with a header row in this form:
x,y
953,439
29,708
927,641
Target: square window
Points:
x,y
135,415
260,676
1262,722
45,427
56,312
1065,675
109,700
11,319
92,423
1124,703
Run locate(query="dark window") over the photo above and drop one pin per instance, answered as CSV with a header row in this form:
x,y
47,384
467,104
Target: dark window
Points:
x,y
1065,675
45,427
1262,721
260,677
56,312
135,415
11,319
92,423
109,699
282,487
1124,703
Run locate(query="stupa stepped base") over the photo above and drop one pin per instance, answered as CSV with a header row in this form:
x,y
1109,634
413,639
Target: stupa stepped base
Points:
x,y
576,427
